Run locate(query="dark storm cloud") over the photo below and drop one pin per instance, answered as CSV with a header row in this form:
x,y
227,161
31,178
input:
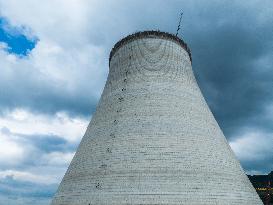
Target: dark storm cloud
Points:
x,y
227,59
232,51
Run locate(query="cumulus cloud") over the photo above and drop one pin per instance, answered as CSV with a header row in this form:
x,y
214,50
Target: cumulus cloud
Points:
x,y
11,152
35,150
61,124
26,176
37,140
255,150
63,72
58,158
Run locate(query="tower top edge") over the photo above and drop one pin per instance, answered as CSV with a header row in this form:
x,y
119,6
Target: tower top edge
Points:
x,y
149,34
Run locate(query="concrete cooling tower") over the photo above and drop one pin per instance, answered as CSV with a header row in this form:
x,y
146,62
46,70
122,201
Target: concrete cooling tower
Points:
x,y
153,139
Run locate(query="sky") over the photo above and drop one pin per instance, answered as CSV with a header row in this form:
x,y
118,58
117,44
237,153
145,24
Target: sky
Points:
x,y
54,64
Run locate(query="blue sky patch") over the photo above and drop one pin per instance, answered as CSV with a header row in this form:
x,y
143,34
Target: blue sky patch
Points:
x,y
17,43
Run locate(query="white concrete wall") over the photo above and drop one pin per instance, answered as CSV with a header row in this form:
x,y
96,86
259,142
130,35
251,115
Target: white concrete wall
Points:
x,y
153,139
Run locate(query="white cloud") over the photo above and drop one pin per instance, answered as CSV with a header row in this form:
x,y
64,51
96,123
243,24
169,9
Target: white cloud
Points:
x,y
253,145
20,128
58,158
18,137
61,20
3,46
27,123
11,152
65,64
26,176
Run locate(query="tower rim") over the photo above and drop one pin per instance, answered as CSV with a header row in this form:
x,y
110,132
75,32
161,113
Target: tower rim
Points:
x,y
149,33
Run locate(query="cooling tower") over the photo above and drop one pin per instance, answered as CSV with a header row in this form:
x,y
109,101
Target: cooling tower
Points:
x,y
153,139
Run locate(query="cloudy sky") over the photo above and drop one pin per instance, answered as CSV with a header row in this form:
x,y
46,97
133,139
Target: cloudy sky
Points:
x,y
54,63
